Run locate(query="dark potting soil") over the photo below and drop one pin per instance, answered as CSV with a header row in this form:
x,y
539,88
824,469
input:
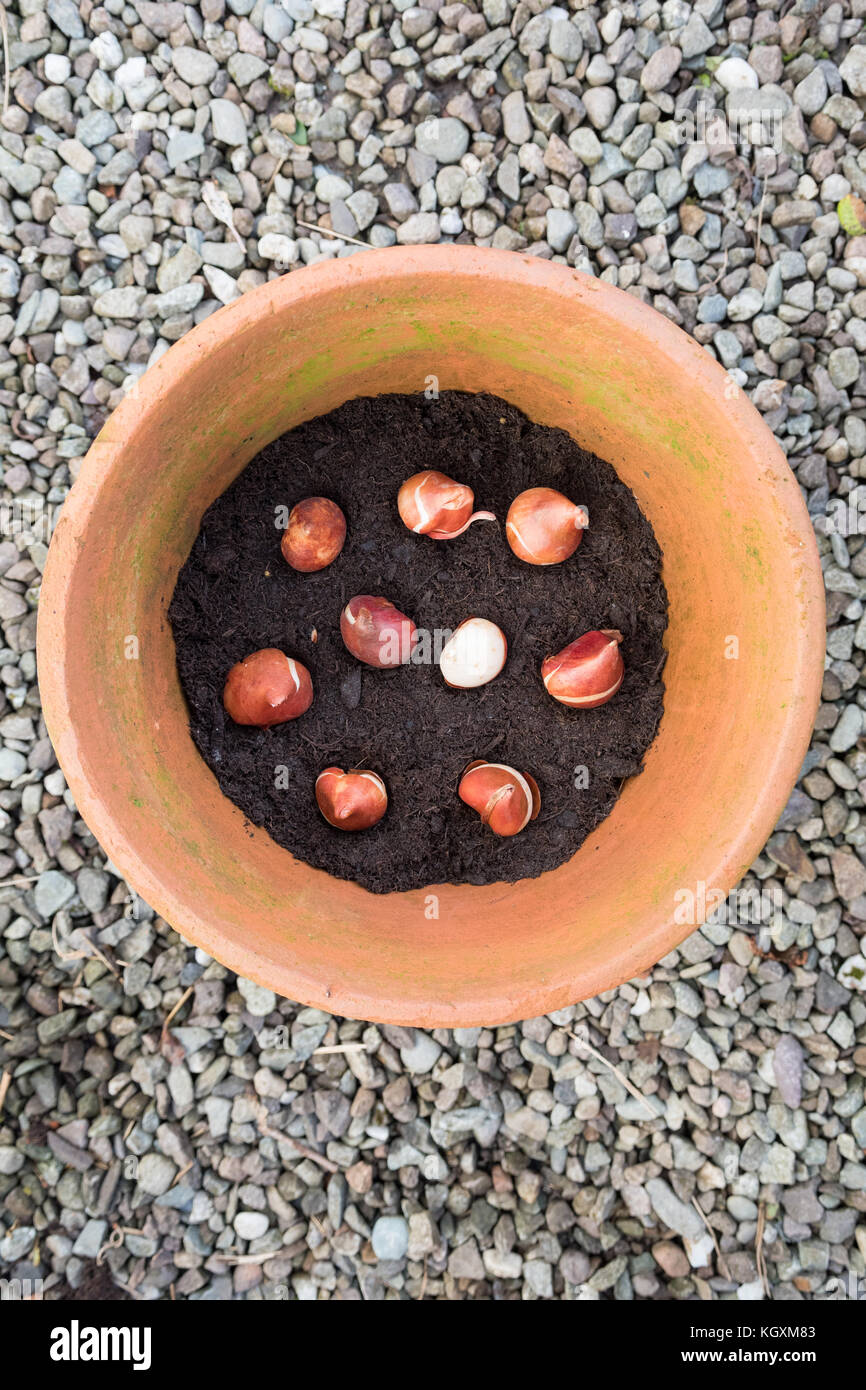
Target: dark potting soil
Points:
x,y
236,594
96,1285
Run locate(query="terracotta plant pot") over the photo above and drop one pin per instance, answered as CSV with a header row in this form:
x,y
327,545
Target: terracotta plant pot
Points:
x,y
745,638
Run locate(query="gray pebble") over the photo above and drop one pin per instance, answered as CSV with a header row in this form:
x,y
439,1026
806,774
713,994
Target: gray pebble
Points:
x,y
390,1238
53,891
443,138
155,1174
259,1001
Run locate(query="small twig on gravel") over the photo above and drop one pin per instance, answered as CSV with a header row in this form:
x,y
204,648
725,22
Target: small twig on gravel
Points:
x,y
182,1172
280,1138
719,1256
128,1288
620,1076
4,1087
760,1258
249,1259
115,1239
329,231
272,180
4,30
93,953
176,1008
340,1047
760,220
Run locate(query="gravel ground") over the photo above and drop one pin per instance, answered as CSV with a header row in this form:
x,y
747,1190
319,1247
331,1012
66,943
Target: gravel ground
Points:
x,y
238,1153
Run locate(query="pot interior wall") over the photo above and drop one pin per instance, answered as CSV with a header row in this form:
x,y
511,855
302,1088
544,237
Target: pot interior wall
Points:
x,y
736,573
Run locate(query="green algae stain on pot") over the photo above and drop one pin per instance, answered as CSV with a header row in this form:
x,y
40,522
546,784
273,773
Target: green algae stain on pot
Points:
x,y
754,541
312,372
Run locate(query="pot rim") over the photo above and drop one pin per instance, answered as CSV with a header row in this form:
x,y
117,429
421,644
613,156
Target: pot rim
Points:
x,y
655,333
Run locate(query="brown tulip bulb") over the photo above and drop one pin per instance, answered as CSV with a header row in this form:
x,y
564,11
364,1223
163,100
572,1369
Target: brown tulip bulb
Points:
x,y
376,632
267,688
543,527
505,799
586,673
315,534
351,800
432,504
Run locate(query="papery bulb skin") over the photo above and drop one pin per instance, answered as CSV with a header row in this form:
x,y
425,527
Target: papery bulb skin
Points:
x,y
505,799
354,800
588,672
376,632
432,504
267,688
314,536
543,527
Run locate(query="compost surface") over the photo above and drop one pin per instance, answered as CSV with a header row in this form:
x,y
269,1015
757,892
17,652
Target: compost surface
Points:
x,y
236,594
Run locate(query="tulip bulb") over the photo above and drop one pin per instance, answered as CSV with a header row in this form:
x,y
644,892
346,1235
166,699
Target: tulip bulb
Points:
x,y
543,527
315,534
505,799
376,632
267,688
586,673
474,654
432,504
351,800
